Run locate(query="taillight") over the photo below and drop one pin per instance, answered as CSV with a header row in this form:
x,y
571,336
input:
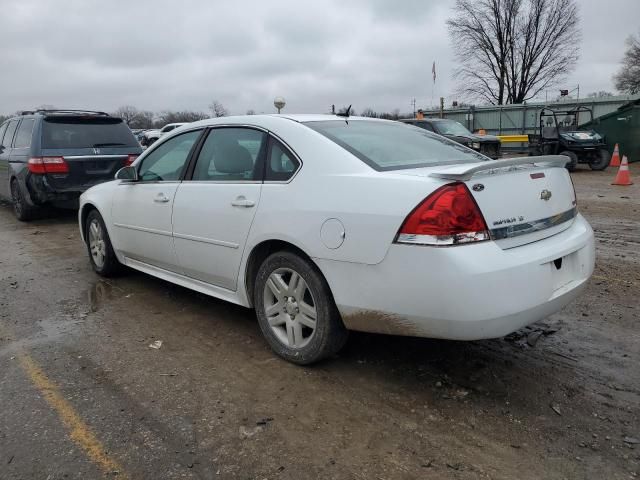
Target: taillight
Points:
x,y
43,165
449,216
130,159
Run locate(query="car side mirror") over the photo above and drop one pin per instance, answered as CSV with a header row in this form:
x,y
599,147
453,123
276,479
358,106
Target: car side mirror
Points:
x,y
128,174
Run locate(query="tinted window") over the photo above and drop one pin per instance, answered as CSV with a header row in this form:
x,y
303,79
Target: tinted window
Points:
x,y
167,161
6,142
230,154
23,137
425,125
451,127
393,145
86,132
281,165
3,129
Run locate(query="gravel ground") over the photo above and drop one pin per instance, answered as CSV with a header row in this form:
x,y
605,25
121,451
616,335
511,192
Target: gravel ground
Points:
x,y
83,395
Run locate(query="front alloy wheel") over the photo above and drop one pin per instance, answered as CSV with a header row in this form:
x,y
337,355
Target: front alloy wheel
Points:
x,y
101,255
295,309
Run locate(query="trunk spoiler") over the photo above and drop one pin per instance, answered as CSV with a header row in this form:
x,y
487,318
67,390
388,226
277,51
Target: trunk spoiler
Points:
x,y
466,171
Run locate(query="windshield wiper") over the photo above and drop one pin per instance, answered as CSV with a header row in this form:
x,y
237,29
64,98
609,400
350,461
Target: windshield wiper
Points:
x,y
110,144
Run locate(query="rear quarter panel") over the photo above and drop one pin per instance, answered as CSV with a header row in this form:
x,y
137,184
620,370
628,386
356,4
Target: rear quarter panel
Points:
x,y
332,183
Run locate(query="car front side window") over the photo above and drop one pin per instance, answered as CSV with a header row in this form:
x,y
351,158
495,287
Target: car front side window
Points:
x,y
231,154
168,160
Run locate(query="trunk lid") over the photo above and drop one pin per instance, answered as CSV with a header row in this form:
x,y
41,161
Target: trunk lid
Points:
x,y
523,200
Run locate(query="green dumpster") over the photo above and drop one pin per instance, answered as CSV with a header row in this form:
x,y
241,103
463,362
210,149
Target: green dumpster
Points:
x,y
621,127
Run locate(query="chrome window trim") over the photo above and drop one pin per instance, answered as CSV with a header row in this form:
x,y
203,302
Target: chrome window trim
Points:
x,y
92,157
533,226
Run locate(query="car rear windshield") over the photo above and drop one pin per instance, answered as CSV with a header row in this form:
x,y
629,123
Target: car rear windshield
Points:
x,y
394,146
86,132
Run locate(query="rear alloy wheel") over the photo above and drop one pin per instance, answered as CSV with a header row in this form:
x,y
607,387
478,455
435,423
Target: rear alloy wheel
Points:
x,y
23,211
573,160
296,311
601,161
101,254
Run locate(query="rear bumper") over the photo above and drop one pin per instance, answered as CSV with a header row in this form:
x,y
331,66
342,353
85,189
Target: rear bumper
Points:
x,y
41,192
463,293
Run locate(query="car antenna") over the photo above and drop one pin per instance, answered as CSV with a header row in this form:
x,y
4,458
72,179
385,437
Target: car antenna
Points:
x,y
345,114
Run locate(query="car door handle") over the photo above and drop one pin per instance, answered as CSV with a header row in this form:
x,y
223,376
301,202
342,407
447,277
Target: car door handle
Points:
x,y
241,201
161,198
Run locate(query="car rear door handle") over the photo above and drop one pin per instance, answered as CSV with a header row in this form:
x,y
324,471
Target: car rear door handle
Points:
x,y
241,201
161,198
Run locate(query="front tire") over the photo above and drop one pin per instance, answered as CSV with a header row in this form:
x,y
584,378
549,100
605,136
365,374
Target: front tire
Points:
x,y
21,208
296,311
602,161
573,160
101,254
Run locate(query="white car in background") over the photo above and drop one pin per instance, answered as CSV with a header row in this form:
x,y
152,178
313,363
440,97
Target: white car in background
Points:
x,y
151,136
325,224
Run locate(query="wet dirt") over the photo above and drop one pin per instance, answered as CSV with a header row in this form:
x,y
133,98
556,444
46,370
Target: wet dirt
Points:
x,y
559,399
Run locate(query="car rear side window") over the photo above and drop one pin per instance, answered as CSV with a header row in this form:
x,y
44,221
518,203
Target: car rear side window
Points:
x,y
230,155
281,164
8,136
23,137
86,132
3,129
393,145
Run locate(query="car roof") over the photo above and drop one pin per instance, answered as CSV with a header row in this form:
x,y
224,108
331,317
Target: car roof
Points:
x,y
270,118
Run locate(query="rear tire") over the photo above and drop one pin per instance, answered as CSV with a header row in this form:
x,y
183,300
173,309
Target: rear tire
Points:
x,y
21,208
101,255
573,160
296,311
603,160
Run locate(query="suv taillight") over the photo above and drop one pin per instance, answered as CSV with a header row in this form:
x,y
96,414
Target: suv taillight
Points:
x,y
130,159
449,216
43,165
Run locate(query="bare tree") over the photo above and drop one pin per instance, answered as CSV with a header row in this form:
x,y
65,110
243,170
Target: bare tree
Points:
x,y
251,112
600,94
368,112
511,50
217,109
126,113
627,79
169,116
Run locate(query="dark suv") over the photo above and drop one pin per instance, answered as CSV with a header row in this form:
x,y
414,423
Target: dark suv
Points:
x,y
486,144
49,157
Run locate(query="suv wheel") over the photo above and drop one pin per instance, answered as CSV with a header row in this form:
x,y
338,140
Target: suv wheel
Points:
x,y
601,161
23,211
573,160
296,311
101,254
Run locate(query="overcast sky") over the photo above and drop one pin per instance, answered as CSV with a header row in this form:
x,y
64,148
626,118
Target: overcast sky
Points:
x,y
179,55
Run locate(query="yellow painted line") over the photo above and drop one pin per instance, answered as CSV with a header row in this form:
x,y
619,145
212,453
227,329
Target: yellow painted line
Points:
x,y
513,138
80,432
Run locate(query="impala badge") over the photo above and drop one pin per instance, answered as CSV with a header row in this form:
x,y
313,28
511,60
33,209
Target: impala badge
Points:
x,y
478,187
545,195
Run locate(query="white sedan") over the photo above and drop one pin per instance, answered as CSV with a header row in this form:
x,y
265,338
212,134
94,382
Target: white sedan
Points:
x,y
326,224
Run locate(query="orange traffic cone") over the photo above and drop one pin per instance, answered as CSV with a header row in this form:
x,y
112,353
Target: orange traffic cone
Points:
x,y
623,177
615,158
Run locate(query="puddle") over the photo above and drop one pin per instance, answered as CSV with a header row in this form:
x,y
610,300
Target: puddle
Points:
x,y
100,293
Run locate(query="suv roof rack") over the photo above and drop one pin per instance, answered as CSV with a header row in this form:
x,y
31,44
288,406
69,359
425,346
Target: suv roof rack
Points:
x,y
63,112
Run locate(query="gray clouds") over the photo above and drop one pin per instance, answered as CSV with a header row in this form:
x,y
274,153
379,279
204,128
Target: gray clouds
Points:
x,y
181,55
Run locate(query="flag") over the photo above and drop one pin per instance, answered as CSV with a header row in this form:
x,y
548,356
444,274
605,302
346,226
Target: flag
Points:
x,y
433,71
